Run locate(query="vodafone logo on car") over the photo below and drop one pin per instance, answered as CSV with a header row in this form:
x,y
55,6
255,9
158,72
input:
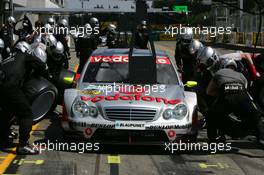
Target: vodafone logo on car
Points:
x,y
134,97
124,59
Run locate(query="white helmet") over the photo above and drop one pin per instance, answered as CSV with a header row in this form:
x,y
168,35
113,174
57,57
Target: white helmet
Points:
x,y
94,22
111,28
63,22
208,57
226,62
143,24
59,48
57,52
2,44
11,20
50,41
48,26
40,54
195,46
51,21
23,47
187,35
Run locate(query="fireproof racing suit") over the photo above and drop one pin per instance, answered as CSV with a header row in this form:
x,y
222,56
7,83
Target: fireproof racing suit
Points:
x,y
185,61
63,39
85,46
232,97
13,100
141,39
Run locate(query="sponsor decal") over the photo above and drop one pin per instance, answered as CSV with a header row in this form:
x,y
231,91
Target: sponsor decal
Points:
x,y
156,127
92,87
172,133
91,92
136,97
129,125
124,59
88,132
93,125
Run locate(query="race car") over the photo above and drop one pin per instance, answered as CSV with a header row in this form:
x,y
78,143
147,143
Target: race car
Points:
x,y
106,107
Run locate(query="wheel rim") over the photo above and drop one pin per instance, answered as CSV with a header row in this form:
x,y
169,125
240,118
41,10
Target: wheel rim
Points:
x,y
42,104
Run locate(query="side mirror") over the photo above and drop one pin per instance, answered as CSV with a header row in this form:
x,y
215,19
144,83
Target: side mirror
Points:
x,y
191,84
68,80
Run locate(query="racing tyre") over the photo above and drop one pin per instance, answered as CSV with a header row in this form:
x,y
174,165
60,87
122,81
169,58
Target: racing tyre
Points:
x,y
42,96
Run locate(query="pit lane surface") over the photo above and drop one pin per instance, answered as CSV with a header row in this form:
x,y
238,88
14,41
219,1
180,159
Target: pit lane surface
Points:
x,y
246,157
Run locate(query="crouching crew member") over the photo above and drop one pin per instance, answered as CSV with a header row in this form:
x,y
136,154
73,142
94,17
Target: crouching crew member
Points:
x,y
230,88
13,99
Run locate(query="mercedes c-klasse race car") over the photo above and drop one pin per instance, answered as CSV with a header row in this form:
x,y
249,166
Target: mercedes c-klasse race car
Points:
x,y
106,107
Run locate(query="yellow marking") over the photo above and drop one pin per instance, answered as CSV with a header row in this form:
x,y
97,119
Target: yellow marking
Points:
x,y
23,161
2,157
218,165
10,157
223,165
36,162
114,159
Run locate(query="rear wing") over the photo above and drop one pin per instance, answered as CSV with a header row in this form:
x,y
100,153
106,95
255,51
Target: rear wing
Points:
x,y
142,69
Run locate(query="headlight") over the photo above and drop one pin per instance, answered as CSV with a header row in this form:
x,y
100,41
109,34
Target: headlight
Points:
x,y
84,110
168,114
179,112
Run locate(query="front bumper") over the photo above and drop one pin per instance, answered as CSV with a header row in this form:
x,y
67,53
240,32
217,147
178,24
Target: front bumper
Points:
x,y
129,132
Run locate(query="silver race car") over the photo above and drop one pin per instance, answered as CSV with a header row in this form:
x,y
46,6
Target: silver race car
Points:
x,y
106,107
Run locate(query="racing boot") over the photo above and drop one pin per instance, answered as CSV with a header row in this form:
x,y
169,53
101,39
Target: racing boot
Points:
x,y
26,150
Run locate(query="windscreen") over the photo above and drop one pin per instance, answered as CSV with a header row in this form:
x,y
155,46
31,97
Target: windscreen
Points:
x,y
111,69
